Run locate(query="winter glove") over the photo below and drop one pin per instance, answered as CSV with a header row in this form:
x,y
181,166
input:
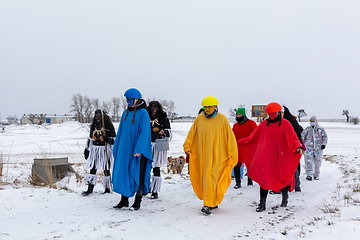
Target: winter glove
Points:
x,y
86,153
322,146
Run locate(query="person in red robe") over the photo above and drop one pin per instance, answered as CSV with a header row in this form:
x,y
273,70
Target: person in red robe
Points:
x,y
272,153
242,128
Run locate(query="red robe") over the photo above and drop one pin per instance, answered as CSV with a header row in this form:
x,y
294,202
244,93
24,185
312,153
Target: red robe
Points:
x,y
242,131
269,154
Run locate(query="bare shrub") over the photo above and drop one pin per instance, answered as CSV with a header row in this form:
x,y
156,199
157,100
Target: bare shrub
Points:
x,y
329,223
347,198
67,189
1,163
354,120
330,158
78,179
356,187
328,208
318,218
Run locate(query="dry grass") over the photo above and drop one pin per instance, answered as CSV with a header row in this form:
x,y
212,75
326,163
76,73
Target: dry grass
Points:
x,y
78,179
1,163
52,179
329,223
356,187
330,158
328,207
37,180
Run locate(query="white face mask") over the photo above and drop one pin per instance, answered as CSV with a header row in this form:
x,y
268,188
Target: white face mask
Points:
x,y
313,124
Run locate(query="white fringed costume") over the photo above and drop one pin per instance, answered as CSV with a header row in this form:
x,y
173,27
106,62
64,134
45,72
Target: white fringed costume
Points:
x,y
159,160
98,151
98,157
155,185
90,179
159,124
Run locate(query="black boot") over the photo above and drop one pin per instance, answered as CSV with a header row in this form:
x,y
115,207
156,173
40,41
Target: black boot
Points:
x,y
285,197
262,205
273,192
89,191
238,184
107,190
154,195
124,202
136,205
206,210
250,181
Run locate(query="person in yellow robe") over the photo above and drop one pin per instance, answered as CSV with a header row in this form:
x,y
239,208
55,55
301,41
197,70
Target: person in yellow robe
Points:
x,y
213,153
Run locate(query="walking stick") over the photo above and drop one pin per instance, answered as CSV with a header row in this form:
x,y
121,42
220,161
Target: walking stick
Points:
x,y
109,164
106,153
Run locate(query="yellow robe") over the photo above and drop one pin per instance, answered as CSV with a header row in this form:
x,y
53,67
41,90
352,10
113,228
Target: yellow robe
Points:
x,y
213,155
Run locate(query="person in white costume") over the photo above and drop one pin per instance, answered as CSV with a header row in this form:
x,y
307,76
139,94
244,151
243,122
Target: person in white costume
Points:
x,y
160,128
98,151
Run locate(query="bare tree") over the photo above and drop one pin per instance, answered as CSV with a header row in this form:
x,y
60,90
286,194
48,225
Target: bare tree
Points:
x,y
88,108
346,113
12,119
149,100
301,113
164,104
32,118
106,106
232,111
42,118
95,103
123,103
169,108
116,107
77,106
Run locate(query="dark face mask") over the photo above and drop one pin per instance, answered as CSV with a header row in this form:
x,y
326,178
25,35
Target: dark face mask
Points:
x,y
240,119
154,110
98,119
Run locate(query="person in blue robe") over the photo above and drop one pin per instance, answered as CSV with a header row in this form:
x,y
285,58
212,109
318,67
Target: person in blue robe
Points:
x,y
132,152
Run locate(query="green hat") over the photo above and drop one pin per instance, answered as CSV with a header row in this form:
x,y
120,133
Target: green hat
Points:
x,y
241,111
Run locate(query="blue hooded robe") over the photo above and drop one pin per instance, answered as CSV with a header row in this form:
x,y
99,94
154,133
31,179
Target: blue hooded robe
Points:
x,y
132,138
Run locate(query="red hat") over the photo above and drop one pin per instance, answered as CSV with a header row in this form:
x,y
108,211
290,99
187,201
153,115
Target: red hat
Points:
x,y
273,107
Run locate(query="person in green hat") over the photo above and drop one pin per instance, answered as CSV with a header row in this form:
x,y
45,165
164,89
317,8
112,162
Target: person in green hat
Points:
x,y
242,128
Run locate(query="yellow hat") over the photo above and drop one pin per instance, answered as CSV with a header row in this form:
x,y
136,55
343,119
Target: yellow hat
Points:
x,y
209,101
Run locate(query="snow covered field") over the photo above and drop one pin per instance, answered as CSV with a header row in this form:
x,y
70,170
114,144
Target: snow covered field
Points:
x,y
325,209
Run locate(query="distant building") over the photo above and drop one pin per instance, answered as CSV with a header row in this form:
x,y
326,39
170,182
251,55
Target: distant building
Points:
x,y
44,118
183,119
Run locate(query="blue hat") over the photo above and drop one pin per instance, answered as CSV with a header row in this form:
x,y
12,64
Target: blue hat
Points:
x,y
132,93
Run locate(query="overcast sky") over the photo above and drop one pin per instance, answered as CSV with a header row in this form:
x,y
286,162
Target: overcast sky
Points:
x,y
304,54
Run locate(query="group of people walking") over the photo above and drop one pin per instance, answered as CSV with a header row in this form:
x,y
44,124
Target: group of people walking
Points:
x,y
131,151
271,152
